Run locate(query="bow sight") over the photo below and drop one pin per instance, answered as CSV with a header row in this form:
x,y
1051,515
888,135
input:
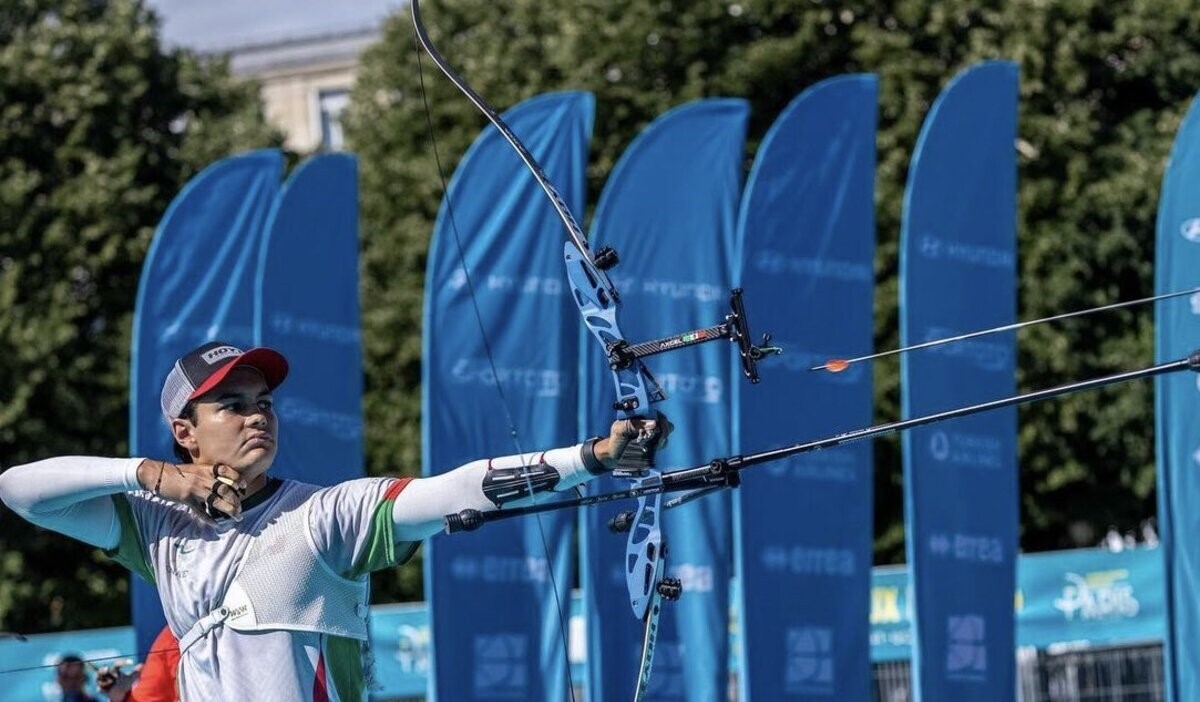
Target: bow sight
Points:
x,y
736,328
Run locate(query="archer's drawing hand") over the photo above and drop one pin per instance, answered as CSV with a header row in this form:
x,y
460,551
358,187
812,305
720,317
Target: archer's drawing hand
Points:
x,y
209,490
623,431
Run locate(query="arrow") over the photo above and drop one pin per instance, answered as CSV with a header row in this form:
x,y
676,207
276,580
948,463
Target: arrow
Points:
x,y
837,365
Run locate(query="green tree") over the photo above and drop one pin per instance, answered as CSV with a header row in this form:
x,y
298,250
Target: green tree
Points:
x,y
1103,88
100,127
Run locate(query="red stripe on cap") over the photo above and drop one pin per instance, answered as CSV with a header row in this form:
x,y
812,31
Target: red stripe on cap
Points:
x,y
269,362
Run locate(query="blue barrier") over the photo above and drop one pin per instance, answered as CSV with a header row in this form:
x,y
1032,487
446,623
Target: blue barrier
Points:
x,y
1065,598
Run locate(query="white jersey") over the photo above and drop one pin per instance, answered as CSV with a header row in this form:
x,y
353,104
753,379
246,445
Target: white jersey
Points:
x,y
192,565
344,532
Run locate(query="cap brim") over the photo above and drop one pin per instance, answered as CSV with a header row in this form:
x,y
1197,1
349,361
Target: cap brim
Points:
x,y
269,362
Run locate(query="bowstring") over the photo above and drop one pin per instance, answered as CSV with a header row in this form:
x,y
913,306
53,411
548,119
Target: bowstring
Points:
x,y
512,427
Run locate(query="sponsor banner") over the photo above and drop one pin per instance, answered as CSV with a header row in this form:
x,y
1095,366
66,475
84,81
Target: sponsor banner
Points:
x,y
1066,598
197,285
1177,334
499,339
669,209
28,667
957,274
306,306
1086,597
807,229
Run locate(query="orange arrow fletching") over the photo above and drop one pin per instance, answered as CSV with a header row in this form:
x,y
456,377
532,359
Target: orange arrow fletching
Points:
x,y
836,365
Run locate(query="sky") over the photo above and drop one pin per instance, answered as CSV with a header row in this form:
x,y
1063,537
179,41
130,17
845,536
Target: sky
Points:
x,y
207,25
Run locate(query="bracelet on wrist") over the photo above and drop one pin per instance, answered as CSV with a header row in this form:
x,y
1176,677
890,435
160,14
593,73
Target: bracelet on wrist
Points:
x,y
162,466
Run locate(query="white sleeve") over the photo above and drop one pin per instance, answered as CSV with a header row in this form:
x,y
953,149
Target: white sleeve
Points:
x,y
70,495
419,510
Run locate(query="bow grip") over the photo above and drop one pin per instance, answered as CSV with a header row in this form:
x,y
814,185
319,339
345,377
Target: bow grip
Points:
x,y
638,456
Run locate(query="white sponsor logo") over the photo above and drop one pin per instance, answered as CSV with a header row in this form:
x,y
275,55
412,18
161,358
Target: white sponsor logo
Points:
x,y
972,254
702,389
985,355
501,667
693,577
803,560
315,329
1100,595
939,446
972,548
412,650
540,382
529,285
683,290
839,465
212,356
971,450
340,425
1190,229
775,262
966,650
809,668
500,569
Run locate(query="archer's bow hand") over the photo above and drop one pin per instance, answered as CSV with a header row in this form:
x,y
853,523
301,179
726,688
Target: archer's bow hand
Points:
x,y
652,433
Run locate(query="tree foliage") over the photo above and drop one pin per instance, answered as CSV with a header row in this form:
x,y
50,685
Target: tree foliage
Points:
x,y
1103,89
100,127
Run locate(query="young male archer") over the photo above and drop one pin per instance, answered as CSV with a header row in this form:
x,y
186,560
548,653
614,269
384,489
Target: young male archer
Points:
x,y
265,580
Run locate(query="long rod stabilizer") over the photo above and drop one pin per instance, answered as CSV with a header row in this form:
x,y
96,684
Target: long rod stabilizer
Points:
x,y
725,472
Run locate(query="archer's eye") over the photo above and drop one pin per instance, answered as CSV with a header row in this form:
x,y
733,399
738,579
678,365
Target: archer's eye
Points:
x,y
266,404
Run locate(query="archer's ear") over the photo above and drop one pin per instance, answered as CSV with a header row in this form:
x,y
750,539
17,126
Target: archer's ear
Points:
x,y
184,433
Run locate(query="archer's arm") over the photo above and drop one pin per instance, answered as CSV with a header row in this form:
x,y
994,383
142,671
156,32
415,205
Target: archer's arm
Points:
x,y
71,495
510,481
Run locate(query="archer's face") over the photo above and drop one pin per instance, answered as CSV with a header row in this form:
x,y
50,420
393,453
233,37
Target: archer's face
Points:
x,y
235,425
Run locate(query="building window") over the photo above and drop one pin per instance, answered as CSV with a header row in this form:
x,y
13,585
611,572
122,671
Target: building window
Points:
x,y
331,104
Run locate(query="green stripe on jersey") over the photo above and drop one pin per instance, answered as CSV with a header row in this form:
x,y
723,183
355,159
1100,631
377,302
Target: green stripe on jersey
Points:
x,y
381,551
344,663
131,550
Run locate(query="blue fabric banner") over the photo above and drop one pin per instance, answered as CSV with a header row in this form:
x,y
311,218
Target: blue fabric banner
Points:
x,y
501,350
669,210
197,284
958,274
306,306
807,228
1177,334
1085,597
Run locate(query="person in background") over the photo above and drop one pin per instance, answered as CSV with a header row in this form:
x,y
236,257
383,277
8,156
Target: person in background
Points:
x,y
72,679
152,681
